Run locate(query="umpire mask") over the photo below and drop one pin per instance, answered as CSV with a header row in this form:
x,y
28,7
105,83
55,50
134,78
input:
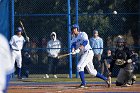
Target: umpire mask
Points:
x,y
120,43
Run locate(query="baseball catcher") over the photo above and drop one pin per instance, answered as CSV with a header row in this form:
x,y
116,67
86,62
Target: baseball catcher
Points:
x,y
123,57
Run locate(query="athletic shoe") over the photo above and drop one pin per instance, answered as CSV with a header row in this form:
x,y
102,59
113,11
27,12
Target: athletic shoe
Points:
x,y
126,85
108,82
47,76
82,86
55,76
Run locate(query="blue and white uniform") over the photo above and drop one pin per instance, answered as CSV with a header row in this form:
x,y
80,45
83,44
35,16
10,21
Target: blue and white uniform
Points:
x,y
80,44
6,66
16,43
86,53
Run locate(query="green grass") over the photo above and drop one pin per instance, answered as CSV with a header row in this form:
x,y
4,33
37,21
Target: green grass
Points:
x,y
63,78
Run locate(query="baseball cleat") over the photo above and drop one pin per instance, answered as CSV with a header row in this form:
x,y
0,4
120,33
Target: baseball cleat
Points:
x,y
55,76
108,81
126,85
82,86
47,76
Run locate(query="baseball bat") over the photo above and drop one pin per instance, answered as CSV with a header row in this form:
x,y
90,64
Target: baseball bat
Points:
x,y
23,28
64,55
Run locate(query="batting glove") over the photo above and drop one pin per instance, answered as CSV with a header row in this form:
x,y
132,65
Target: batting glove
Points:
x,y
76,51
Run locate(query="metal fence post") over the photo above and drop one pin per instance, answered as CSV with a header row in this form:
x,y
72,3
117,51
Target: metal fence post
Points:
x,y
69,39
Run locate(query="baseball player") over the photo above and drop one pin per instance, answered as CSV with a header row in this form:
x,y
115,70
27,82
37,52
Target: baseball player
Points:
x,y
123,57
80,44
6,66
17,42
53,53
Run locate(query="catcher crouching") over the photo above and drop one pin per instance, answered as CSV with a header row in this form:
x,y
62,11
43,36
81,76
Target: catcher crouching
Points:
x,y
124,58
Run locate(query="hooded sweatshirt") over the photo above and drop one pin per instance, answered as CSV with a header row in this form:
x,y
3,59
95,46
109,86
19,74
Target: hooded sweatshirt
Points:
x,y
53,46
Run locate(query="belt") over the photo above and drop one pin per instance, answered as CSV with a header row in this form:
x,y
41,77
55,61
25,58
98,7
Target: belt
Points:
x,y
16,50
87,50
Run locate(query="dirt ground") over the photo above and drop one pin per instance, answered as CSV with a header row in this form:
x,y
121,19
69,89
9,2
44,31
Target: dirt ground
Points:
x,y
72,88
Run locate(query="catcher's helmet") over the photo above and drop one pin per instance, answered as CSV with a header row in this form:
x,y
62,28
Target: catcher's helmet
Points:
x,y
120,40
120,43
19,29
75,26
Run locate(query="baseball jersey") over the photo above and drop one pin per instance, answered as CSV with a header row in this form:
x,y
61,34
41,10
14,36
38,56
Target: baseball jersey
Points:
x,y
17,42
79,39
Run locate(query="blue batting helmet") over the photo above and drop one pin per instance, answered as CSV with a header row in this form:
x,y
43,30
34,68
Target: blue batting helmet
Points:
x,y
75,26
19,29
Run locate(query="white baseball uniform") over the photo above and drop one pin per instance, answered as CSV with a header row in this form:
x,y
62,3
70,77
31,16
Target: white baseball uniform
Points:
x,y
86,54
16,43
6,66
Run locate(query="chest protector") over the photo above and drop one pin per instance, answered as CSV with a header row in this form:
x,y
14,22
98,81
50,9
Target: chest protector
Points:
x,y
121,54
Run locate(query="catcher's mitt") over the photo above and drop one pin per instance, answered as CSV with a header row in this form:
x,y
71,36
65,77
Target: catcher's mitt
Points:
x,y
120,62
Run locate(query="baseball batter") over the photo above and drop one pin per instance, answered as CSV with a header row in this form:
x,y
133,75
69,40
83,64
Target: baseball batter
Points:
x,y
17,41
80,44
6,66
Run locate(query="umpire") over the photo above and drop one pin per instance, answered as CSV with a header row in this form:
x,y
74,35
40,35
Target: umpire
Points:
x,y
123,57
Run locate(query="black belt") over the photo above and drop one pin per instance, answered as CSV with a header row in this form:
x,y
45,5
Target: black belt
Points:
x,y
16,50
87,50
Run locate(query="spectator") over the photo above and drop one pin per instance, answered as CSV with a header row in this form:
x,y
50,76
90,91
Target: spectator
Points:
x,y
96,43
34,55
106,59
53,49
109,42
44,53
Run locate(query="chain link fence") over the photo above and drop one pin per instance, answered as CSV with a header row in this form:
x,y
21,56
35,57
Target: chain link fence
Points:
x,y
41,17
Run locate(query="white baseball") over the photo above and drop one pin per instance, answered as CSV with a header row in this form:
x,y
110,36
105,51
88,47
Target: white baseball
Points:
x,y
114,12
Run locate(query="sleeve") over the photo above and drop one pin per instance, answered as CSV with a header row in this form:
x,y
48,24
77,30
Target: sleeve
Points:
x,y
48,46
59,46
90,42
11,42
85,39
101,46
84,43
73,45
24,42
